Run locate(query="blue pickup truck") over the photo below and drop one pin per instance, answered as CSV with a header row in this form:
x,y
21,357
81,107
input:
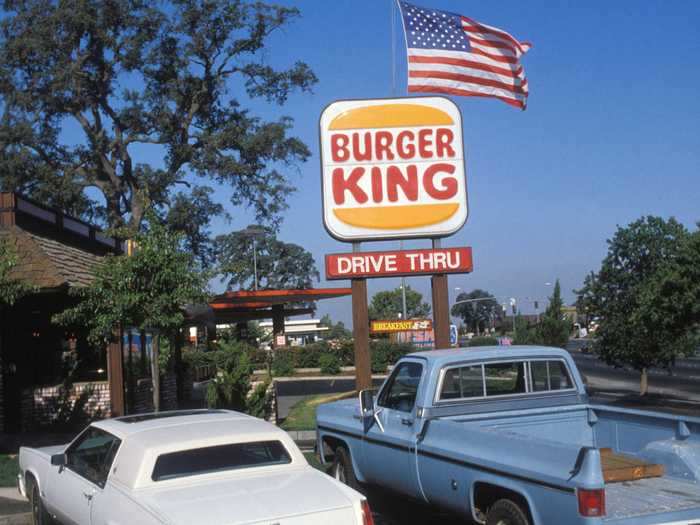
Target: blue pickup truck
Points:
x,y
507,436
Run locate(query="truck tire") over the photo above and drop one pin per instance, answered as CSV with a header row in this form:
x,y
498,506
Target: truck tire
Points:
x,y
343,470
39,514
506,512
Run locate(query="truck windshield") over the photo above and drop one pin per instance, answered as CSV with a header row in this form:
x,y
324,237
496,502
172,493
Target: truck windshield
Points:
x,y
219,458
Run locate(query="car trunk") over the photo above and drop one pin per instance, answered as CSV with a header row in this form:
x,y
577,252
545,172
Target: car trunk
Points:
x,y
285,496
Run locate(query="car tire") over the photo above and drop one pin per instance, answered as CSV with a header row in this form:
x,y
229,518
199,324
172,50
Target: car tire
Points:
x,y
343,470
39,514
506,512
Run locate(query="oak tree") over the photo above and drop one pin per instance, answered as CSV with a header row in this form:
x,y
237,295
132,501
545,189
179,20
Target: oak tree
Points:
x,y
89,89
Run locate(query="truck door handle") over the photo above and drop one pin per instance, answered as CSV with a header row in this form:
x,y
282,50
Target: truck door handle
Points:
x,y
87,496
407,422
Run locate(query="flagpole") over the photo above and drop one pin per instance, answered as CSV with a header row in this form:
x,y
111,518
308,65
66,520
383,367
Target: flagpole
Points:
x,y
393,48
393,94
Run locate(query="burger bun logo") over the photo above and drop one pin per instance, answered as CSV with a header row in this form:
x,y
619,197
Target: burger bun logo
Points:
x,y
393,168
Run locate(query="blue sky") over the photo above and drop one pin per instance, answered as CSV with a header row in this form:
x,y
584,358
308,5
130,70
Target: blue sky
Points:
x,y
612,132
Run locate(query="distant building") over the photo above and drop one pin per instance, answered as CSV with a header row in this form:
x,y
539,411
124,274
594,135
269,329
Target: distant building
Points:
x,y
299,332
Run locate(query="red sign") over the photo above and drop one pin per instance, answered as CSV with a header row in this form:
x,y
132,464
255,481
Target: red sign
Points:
x,y
398,263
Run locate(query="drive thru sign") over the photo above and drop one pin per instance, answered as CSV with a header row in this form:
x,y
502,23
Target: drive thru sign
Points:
x,y
393,168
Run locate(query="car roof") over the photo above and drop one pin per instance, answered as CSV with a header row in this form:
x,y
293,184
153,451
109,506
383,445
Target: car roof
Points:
x,y
480,353
149,426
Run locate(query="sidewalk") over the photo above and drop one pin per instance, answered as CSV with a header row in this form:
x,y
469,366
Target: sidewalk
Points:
x,y
14,509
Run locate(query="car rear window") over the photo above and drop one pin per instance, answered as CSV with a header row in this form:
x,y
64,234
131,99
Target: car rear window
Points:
x,y
550,375
219,458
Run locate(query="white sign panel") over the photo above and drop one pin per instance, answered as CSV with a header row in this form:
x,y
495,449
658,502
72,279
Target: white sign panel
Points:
x,y
393,168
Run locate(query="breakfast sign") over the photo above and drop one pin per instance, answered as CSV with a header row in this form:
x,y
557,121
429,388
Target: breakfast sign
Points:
x,y
393,169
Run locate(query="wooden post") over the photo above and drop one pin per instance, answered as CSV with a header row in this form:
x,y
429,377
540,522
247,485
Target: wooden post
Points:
x,y
8,203
360,331
441,307
278,324
115,374
155,370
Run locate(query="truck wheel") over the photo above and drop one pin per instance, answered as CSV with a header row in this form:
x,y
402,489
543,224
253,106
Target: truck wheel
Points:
x,y
506,512
342,469
39,514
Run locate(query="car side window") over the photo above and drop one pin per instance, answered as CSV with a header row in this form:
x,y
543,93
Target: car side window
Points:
x,y
92,454
402,389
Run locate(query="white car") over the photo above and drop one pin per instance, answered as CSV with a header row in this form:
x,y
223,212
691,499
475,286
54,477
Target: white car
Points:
x,y
208,467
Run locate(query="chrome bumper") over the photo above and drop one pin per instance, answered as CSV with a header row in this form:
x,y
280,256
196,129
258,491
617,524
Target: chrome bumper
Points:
x,y
20,486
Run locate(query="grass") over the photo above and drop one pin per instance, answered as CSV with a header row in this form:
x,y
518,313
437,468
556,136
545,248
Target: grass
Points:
x,y
9,468
313,461
302,416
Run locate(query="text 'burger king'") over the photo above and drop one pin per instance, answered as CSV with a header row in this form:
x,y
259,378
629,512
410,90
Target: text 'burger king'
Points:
x,y
393,168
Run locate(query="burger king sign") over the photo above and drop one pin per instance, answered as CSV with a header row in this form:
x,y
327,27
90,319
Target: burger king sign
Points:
x,y
393,168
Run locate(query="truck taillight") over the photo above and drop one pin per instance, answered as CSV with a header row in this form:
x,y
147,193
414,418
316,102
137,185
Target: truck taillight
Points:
x,y
591,503
366,514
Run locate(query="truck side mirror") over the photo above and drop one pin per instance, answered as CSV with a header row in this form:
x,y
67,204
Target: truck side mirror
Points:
x,y
59,460
367,403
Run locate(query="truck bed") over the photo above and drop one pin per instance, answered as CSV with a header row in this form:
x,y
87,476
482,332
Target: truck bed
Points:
x,y
644,497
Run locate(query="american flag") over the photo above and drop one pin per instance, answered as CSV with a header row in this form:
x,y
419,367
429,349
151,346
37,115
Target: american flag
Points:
x,y
453,54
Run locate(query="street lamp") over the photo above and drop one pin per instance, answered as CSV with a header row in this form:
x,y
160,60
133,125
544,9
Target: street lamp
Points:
x,y
253,231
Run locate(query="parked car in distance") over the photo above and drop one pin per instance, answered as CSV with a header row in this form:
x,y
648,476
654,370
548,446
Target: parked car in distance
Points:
x,y
208,467
510,438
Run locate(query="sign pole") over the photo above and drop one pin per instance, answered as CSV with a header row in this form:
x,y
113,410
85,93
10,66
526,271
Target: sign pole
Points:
x,y
360,330
441,306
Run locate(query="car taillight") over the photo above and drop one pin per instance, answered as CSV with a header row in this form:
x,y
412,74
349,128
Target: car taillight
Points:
x,y
591,503
366,514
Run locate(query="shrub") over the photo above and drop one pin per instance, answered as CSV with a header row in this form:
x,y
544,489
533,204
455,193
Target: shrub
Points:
x,y
330,364
483,341
308,356
259,402
231,384
384,353
282,364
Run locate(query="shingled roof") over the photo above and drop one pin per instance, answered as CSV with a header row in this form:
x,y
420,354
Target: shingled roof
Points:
x,y
48,263
54,249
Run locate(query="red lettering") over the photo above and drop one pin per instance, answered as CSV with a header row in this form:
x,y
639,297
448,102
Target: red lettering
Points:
x,y
449,184
377,193
404,145
356,153
383,140
424,143
341,184
339,147
443,143
409,184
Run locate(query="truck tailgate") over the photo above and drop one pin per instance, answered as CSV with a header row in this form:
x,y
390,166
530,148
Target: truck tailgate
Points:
x,y
646,497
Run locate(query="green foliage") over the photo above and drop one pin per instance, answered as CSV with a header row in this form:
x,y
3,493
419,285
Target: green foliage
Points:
x,y
11,289
384,353
646,295
477,315
191,214
146,290
330,364
282,364
230,387
280,265
483,341
524,333
9,468
259,402
336,331
554,328
388,304
129,74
